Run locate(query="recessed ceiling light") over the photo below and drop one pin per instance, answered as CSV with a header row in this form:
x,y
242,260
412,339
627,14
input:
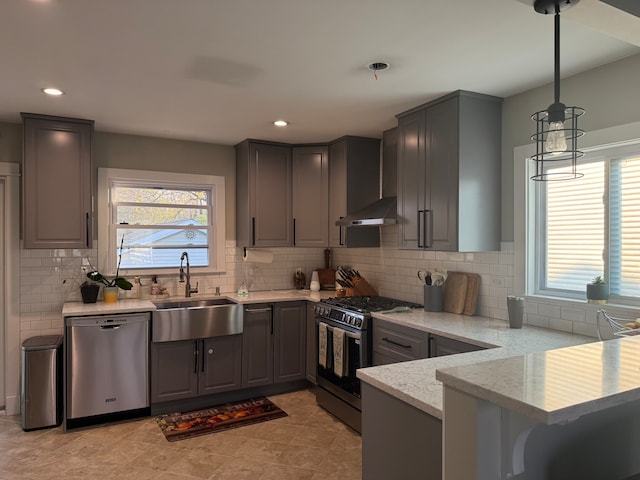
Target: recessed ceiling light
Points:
x,y
280,123
54,92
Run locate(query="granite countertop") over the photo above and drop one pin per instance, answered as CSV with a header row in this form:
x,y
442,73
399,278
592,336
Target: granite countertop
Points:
x,y
415,382
558,385
130,305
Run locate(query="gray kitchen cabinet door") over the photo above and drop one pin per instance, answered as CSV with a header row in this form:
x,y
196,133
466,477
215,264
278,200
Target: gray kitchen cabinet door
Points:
x,y
257,346
411,176
311,196
441,186
312,343
354,182
174,370
449,176
221,364
393,343
290,328
263,195
416,449
57,182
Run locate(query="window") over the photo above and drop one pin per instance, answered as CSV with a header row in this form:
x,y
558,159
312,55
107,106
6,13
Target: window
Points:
x,y
150,218
591,226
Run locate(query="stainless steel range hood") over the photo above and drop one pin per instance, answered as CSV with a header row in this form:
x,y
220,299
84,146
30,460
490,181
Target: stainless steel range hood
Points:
x,y
380,212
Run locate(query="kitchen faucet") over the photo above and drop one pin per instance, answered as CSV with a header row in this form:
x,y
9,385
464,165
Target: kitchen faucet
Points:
x,y
187,288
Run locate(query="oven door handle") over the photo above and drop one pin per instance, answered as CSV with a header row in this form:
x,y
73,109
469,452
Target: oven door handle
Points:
x,y
346,332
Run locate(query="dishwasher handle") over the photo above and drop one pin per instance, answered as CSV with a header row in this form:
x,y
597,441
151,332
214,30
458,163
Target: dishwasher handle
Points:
x,y
109,327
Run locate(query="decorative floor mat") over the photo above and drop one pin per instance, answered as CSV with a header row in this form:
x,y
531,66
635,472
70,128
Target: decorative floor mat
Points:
x,y
178,426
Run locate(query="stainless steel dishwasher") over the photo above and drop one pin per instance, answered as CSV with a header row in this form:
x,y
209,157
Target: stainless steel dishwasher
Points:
x,y
107,364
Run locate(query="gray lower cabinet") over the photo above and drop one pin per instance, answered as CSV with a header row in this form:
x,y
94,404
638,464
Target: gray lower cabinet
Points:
x,y
415,451
393,343
257,345
312,343
449,180
190,368
290,337
273,343
441,346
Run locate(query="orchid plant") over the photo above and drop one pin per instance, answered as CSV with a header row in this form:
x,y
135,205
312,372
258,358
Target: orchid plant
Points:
x,y
117,281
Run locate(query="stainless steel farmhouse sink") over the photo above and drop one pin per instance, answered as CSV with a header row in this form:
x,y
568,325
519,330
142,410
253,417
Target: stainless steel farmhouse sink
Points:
x,y
194,319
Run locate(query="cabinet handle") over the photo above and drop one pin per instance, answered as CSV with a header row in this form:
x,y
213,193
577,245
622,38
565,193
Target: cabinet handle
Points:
x,y
253,231
195,356
257,310
294,232
87,225
388,340
340,242
271,309
428,226
420,229
202,355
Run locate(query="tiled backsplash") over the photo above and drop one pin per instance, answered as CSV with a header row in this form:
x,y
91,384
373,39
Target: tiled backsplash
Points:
x,y
391,271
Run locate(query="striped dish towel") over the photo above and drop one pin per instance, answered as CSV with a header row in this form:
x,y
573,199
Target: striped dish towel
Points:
x,y
339,353
322,344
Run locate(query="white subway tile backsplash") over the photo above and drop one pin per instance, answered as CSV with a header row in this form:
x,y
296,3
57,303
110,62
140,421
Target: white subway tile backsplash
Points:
x,y
393,272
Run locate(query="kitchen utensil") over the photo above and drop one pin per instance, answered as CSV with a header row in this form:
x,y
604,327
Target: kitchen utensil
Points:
x,y
422,276
455,292
397,310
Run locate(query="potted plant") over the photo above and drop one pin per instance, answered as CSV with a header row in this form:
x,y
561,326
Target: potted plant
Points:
x,y
597,291
111,286
89,292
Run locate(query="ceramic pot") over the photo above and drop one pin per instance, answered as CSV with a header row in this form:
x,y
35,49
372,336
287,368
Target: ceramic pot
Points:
x,y
110,294
597,293
89,293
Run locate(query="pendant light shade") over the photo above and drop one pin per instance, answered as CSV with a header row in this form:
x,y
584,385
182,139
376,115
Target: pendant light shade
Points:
x,y
557,129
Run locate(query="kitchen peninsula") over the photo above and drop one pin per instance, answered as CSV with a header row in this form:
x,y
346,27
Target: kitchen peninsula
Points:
x,y
412,391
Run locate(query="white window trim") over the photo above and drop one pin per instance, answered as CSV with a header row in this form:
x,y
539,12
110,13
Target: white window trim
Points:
x,y
523,196
106,175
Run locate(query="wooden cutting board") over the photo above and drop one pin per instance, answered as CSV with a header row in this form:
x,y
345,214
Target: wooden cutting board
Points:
x,y
455,292
473,288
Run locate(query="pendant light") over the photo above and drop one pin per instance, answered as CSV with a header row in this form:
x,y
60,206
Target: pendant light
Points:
x,y
557,129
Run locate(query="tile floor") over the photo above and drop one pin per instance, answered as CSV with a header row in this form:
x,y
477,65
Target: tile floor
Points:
x,y
309,444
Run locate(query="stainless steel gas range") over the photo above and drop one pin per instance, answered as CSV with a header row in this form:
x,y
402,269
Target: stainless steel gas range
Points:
x,y
343,333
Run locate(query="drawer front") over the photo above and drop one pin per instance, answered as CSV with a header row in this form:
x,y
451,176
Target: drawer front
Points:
x,y
400,343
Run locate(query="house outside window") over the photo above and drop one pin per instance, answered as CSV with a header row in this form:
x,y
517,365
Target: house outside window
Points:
x,y
590,226
150,218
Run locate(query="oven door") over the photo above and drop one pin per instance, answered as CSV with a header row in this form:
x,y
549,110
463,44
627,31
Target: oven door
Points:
x,y
347,386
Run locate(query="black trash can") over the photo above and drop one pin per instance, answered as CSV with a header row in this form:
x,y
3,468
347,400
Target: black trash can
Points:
x,y
41,392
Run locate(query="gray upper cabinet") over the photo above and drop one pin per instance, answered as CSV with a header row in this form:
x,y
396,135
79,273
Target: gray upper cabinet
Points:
x,y
311,196
354,182
449,174
263,195
57,184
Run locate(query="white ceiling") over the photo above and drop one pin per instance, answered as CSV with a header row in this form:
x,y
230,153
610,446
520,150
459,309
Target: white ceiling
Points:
x,y
223,70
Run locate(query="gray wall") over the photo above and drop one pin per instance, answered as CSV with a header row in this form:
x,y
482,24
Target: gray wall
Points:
x,y
113,150
610,95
